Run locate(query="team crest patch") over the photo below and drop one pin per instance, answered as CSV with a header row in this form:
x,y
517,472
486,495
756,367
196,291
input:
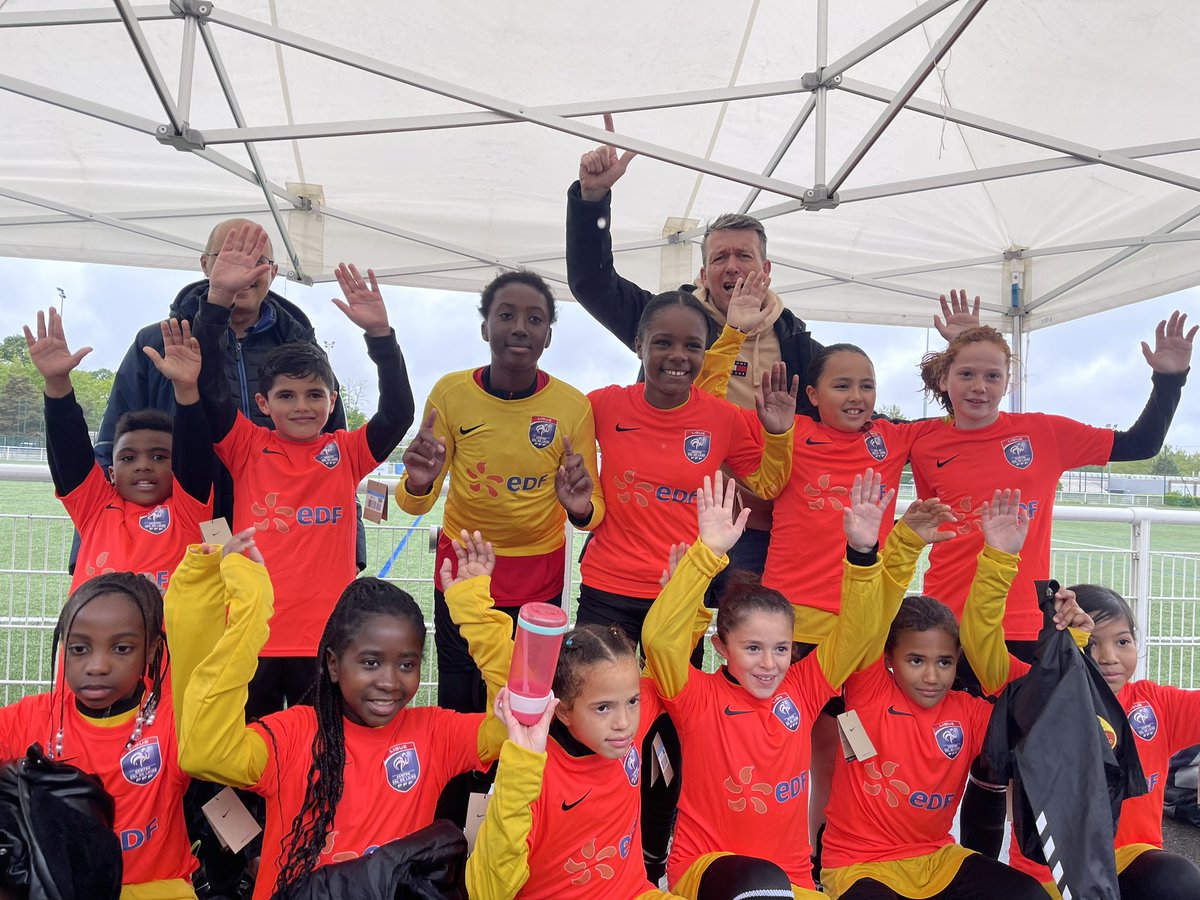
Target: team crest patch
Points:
x,y
1019,452
741,368
633,765
1143,721
786,712
696,445
142,762
330,455
402,767
949,737
541,431
875,445
156,521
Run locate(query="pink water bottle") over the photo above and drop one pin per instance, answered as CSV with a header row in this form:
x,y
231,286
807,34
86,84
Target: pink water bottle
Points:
x,y
540,629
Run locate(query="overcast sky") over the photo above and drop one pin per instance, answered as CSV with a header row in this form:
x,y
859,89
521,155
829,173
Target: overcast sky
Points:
x,y
1091,369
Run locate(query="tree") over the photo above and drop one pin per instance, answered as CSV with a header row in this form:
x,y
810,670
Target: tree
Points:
x,y
351,393
14,350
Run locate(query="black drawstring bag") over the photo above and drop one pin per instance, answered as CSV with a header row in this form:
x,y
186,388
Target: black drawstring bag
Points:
x,y
1059,734
56,832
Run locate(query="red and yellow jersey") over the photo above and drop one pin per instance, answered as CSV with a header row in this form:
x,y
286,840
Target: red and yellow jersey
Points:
x,y
393,777
1026,451
145,780
653,461
116,535
300,498
901,803
804,562
501,458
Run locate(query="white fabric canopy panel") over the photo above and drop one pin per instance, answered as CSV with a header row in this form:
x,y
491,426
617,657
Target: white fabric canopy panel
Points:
x,y
1054,143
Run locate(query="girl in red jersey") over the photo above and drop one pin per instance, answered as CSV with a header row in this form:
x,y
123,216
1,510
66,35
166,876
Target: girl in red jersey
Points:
x,y
117,716
354,771
890,815
745,729
1164,720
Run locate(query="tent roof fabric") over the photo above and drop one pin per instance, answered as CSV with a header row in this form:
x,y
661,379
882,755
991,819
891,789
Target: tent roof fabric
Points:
x,y
1055,143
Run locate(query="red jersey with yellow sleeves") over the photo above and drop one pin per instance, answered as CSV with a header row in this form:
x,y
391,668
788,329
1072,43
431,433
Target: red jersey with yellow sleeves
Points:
x,y
652,463
299,496
501,459
116,535
745,760
963,467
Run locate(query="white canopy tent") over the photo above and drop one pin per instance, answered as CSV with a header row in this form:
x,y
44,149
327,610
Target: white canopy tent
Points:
x,y
1042,153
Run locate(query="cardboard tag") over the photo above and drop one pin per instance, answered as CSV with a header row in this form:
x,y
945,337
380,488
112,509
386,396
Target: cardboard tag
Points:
x,y
660,762
216,531
855,743
476,811
231,821
376,508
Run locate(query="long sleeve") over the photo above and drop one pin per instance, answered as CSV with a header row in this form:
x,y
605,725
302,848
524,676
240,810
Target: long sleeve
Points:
x,y
193,617
899,556
772,474
419,504
669,632
499,866
211,328
68,447
214,742
718,362
488,633
192,458
584,443
982,629
392,419
1145,437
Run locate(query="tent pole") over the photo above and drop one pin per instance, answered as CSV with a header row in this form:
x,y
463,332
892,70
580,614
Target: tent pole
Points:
x,y
897,29
819,93
187,57
84,215
130,20
1015,268
784,145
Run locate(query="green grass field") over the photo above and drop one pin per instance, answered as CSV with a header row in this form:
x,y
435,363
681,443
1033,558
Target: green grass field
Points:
x,y
35,542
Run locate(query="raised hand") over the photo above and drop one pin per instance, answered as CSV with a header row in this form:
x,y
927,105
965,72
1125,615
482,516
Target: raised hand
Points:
x,y
958,315
601,168
674,555
364,304
775,403
424,457
1069,614
719,527
50,355
748,304
864,514
530,737
475,558
180,363
1004,522
243,542
573,484
238,264
1172,348
925,518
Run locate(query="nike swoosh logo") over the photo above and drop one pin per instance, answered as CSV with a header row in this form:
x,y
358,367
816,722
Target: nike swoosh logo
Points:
x,y
630,428
110,506
462,430
895,712
813,443
273,452
942,462
567,807
737,712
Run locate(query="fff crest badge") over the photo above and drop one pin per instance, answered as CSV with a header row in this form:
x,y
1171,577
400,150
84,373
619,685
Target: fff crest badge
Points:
x,y
876,446
786,712
949,737
1143,721
633,765
156,521
541,431
1018,451
402,767
142,762
696,445
330,455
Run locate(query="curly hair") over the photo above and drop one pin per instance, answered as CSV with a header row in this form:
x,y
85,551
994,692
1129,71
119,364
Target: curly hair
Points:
x,y
921,613
517,276
935,366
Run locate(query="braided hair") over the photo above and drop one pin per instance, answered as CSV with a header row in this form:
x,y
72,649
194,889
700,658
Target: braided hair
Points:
x,y
585,646
362,598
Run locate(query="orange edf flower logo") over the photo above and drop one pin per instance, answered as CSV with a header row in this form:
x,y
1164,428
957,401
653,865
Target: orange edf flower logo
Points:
x,y
592,861
822,493
271,514
477,481
100,567
745,776
625,481
878,785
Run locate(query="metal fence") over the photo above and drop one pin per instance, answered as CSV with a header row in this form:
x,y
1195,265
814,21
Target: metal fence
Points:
x,y
1164,587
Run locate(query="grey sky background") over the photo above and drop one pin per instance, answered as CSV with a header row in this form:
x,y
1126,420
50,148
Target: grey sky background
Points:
x,y
1091,369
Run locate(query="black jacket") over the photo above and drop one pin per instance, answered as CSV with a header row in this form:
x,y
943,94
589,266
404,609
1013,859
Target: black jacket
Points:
x,y
617,303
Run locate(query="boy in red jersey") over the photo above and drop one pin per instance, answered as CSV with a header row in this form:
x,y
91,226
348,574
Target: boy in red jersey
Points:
x,y
137,521
295,485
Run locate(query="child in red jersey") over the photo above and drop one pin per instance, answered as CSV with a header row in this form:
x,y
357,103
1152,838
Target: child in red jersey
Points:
x,y
137,521
295,484
745,729
117,717
354,771
1164,720
888,834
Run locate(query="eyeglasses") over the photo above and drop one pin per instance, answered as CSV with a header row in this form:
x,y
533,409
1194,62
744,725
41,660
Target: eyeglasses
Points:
x,y
262,260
